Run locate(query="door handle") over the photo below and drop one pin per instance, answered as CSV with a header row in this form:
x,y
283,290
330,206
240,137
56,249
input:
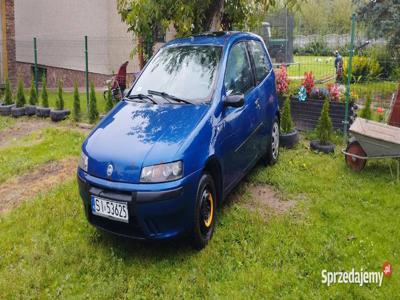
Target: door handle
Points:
x,y
257,102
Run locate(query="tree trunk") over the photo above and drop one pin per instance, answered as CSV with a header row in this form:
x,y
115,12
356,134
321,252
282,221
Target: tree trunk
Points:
x,y
214,14
141,52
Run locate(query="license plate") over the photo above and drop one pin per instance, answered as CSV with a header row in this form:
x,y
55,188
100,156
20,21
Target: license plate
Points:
x,y
110,209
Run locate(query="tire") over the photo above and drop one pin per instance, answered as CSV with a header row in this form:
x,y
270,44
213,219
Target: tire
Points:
x,y
356,164
205,212
271,157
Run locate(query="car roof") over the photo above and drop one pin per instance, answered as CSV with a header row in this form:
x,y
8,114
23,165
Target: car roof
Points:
x,y
217,38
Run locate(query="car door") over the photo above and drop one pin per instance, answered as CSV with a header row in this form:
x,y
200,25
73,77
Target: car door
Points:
x,y
265,92
238,124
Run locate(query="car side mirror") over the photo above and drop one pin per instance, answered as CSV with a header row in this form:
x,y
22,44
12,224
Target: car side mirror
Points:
x,y
234,100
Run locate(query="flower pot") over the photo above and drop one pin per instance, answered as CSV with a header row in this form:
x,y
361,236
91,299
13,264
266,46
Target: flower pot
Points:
x,y
59,115
324,148
289,140
30,110
17,112
5,110
43,112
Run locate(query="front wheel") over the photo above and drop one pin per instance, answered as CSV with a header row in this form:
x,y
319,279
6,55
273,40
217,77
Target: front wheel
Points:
x,y
271,157
204,216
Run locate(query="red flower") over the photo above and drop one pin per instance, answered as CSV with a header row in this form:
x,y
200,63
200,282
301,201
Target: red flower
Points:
x,y
282,81
308,82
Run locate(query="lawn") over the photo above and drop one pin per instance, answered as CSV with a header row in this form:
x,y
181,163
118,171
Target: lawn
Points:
x,y
38,148
321,66
342,220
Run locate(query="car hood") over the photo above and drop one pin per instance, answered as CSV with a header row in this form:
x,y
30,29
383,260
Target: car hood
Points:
x,y
136,134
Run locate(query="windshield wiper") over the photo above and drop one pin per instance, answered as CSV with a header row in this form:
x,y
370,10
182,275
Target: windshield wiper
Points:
x,y
169,97
141,97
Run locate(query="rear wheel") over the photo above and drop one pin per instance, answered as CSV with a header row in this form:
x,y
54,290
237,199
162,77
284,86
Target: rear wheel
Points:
x,y
355,163
204,217
271,157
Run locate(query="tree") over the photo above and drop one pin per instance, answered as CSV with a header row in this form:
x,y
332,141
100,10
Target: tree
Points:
x,y
77,103
324,127
286,122
60,98
20,94
366,112
109,100
93,112
45,96
381,18
8,93
33,95
146,18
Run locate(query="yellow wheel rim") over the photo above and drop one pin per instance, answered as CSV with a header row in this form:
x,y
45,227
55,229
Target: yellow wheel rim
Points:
x,y
208,221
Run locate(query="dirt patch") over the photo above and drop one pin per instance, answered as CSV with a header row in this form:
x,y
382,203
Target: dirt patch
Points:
x,y
24,187
267,201
21,129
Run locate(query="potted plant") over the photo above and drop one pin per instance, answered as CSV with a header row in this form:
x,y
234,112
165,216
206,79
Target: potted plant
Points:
x,y
77,104
44,110
324,132
19,110
289,135
30,109
5,107
59,113
308,82
93,112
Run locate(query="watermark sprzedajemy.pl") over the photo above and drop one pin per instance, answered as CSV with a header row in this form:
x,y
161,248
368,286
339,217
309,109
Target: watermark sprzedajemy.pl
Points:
x,y
360,277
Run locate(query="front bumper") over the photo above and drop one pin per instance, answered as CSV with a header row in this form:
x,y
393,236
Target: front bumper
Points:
x,y
156,211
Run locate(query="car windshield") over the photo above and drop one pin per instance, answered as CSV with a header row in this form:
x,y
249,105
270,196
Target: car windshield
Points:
x,y
185,72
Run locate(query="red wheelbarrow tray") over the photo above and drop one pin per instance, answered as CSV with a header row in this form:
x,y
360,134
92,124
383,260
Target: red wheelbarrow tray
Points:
x,y
378,140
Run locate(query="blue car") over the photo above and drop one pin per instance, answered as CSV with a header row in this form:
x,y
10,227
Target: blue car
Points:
x,y
201,114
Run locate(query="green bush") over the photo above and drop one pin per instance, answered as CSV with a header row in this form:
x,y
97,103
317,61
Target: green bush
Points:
x,y
109,100
363,69
45,96
324,127
286,121
385,59
8,93
32,94
93,112
317,47
60,98
77,103
21,101
366,112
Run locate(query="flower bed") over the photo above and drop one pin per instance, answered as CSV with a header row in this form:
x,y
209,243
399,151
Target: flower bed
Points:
x,y
306,114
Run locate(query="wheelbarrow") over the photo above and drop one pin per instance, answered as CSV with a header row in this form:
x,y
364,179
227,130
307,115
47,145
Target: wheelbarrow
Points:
x,y
372,140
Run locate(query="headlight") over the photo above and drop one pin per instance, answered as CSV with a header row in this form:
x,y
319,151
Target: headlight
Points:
x,y
83,162
162,172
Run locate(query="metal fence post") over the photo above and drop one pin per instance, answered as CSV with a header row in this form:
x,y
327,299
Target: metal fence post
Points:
x,y
87,73
351,52
36,64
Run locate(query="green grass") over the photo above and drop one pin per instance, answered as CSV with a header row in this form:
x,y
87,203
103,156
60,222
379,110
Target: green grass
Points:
x,y
6,122
36,149
48,250
321,66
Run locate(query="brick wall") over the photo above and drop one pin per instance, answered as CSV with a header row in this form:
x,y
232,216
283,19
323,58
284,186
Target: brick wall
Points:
x,y
10,40
24,71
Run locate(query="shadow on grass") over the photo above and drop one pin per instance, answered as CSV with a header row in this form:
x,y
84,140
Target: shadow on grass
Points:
x,y
127,248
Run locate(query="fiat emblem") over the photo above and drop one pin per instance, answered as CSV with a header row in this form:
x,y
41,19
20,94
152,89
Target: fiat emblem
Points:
x,y
110,169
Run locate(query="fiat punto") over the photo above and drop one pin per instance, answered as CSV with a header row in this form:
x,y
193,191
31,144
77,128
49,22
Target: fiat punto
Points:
x,y
200,115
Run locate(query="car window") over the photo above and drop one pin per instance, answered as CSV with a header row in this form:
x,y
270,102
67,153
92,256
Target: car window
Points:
x,y
238,75
186,72
260,58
